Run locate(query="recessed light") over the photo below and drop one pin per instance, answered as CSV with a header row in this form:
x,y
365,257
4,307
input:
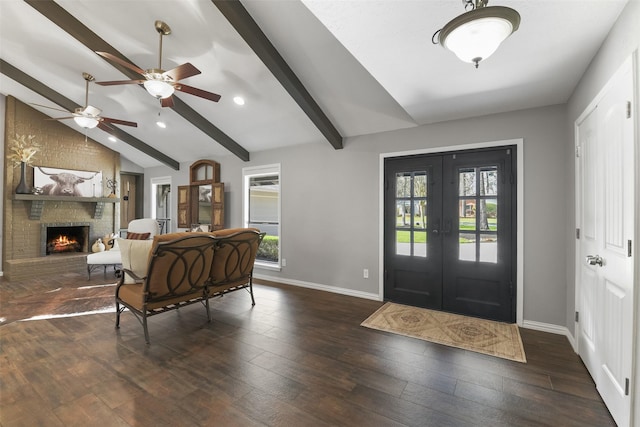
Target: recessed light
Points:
x,y
160,122
238,100
113,139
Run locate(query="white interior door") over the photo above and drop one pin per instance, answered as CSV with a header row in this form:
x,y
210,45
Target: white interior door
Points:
x,y
606,217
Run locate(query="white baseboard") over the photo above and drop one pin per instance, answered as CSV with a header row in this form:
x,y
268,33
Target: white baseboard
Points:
x,y
553,329
320,287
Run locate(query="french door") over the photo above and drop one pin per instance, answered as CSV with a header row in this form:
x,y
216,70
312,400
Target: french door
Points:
x,y
449,234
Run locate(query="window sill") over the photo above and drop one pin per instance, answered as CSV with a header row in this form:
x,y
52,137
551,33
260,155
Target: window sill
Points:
x,y
268,266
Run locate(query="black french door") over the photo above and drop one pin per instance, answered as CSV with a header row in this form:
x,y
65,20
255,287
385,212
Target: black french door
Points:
x,y
449,232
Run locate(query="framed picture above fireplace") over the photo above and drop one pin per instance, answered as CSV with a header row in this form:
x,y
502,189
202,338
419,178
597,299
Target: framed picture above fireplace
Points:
x,y
67,182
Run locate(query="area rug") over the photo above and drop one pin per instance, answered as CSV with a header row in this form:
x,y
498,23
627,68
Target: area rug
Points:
x,y
468,333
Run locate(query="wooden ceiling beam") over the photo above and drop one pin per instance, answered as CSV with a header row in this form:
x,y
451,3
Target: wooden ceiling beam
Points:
x,y
58,99
249,30
59,16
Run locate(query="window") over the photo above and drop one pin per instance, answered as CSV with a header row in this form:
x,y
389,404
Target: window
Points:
x,y
261,209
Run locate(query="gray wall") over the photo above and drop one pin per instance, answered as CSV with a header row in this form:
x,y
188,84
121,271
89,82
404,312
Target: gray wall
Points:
x,y
330,202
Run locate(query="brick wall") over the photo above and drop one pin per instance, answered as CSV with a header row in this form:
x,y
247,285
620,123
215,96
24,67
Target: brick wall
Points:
x,y
61,147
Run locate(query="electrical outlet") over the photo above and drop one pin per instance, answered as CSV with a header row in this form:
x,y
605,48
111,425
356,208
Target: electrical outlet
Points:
x,y
365,273
284,262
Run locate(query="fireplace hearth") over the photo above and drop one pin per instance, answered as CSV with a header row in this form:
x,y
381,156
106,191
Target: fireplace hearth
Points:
x,y
65,238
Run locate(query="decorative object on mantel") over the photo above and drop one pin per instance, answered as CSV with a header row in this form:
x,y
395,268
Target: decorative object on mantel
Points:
x,y
98,246
112,184
23,149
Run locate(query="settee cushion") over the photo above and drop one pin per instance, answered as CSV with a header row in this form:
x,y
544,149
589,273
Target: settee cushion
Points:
x,y
106,257
135,257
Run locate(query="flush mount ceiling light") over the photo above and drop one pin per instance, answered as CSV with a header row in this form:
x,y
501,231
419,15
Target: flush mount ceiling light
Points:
x,y
475,35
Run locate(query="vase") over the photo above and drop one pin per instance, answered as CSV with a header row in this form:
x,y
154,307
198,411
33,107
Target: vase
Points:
x,y
98,246
23,187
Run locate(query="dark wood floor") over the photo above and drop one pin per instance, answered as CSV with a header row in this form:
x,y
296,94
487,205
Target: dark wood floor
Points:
x,y
298,358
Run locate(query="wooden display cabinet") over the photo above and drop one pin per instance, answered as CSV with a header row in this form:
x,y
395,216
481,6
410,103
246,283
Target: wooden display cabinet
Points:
x,y
202,202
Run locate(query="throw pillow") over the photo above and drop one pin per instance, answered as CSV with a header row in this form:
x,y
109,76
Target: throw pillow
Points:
x,y
135,257
138,236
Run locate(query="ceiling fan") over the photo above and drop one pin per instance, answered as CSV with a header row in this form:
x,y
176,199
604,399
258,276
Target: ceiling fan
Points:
x,y
160,83
88,117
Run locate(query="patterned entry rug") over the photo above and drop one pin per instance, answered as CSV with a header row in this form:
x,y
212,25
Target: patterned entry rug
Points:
x,y
468,333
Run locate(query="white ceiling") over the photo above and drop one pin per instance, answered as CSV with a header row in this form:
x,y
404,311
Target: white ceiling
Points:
x,y
370,66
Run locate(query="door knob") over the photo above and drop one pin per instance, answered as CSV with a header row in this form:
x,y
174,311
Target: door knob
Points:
x,y
595,260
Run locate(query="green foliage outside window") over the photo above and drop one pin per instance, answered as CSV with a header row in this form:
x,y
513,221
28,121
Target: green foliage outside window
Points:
x,y
268,250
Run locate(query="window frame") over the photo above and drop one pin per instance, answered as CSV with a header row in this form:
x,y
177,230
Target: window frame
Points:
x,y
257,171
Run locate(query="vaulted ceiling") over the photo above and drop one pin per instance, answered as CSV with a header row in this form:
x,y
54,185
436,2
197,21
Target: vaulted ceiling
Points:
x,y
310,71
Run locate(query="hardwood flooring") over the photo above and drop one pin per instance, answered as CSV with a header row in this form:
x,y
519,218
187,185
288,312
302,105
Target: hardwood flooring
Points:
x,y
298,358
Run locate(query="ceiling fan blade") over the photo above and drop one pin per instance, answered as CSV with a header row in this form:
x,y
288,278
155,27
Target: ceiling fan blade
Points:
x,y
114,58
120,82
118,122
61,118
52,108
105,127
167,102
197,92
182,72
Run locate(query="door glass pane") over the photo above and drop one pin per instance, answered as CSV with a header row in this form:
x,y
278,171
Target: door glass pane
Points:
x,y
420,184
467,247
420,243
489,181
488,248
467,180
489,214
403,214
403,242
467,214
420,215
403,184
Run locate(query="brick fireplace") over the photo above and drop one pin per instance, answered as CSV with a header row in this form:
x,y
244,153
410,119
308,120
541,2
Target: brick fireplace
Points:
x,y
24,250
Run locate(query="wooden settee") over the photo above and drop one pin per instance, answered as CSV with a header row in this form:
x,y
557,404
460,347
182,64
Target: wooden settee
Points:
x,y
186,268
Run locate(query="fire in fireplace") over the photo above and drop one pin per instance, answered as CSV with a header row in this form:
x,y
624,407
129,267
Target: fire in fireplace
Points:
x,y
63,243
60,239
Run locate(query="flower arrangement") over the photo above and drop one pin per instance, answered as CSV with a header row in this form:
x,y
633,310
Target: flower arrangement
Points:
x,y
23,148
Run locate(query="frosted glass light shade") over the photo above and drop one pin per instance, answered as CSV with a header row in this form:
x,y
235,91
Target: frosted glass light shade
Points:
x,y
86,122
476,35
158,88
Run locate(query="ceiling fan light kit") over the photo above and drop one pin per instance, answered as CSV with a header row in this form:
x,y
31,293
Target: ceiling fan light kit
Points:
x,y
86,122
475,35
158,88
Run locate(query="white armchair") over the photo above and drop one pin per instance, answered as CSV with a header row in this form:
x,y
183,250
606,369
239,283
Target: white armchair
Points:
x,y
113,257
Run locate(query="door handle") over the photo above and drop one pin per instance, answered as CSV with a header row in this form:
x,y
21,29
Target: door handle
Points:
x,y
595,260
